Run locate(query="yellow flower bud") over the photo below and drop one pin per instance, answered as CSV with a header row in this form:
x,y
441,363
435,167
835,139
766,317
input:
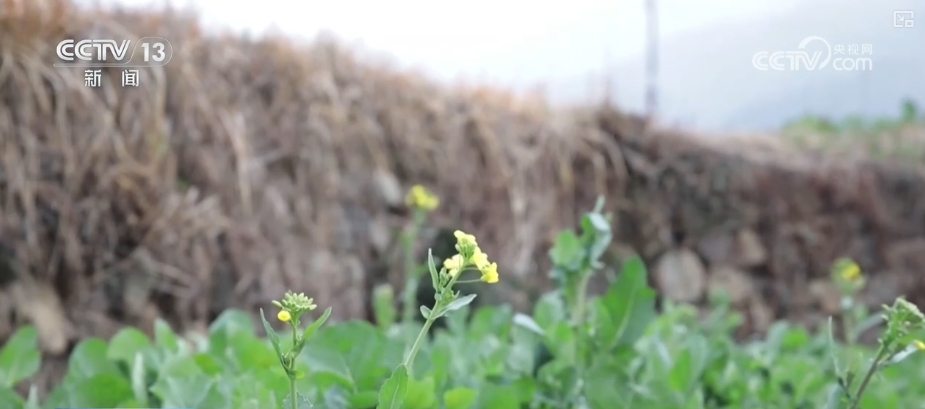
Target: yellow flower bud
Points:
x,y
919,344
284,316
454,264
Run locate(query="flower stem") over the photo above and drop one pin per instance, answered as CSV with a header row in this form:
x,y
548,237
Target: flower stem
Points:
x,y
293,401
409,360
868,376
293,404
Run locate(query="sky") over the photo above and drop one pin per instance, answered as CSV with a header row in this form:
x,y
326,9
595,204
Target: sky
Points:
x,y
513,42
578,51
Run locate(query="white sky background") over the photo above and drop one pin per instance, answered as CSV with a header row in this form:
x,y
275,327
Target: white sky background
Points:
x,y
515,43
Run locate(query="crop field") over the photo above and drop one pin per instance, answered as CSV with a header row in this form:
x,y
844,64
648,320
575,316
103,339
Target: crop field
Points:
x,y
617,350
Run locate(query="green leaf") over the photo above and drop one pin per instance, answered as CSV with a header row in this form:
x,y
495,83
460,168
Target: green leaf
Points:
x,y
102,390
311,328
181,384
363,400
12,399
89,359
32,401
207,363
527,322
459,398
425,312
139,383
432,267
624,312
420,394
228,325
271,333
598,228
164,336
20,357
393,391
567,251
328,364
301,402
549,310
369,356
458,303
493,396
126,344
605,389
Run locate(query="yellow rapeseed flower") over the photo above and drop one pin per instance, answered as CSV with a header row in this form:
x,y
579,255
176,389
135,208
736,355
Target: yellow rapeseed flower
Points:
x,y
479,258
454,264
284,316
919,344
418,196
490,273
851,272
464,240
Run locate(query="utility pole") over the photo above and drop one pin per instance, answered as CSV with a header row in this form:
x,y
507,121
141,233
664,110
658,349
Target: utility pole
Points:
x,y
651,58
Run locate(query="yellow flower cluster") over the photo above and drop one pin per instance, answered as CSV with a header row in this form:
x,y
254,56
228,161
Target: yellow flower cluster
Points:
x,y
477,259
421,198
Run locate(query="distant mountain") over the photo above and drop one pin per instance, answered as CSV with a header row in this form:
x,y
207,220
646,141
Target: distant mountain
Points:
x,y
707,75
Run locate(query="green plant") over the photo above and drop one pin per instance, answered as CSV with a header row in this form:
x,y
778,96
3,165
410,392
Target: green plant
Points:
x,y
602,352
292,306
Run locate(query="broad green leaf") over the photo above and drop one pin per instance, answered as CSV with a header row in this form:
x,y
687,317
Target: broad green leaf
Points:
x,y
527,322
393,391
301,402
363,400
368,354
624,312
20,357
164,336
311,328
126,344
249,391
459,398
328,365
229,324
459,303
181,384
490,320
606,389
420,394
493,396
102,390
10,398
207,363
681,374
89,359
549,310
274,337
567,251
335,398
251,352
